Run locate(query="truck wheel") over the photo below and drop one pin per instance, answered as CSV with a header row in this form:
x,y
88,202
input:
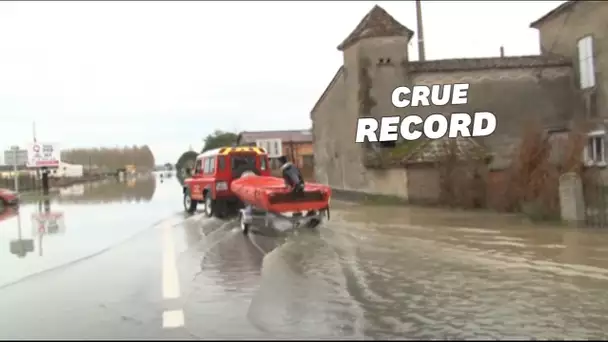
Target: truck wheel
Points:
x,y
209,205
189,203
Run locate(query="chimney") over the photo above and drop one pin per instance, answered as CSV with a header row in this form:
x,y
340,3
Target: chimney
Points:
x,y
502,51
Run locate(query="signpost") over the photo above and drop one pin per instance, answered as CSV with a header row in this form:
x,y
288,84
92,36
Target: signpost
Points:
x,y
9,157
16,157
43,155
274,147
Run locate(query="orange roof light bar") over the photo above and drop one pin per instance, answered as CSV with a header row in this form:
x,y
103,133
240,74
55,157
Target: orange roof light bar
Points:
x,y
228,150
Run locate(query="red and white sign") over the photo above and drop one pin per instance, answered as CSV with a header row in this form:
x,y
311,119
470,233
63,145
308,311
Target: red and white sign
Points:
x,y
48,223
43,155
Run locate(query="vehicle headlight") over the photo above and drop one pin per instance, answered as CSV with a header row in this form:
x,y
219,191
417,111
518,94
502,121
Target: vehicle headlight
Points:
x,y
221,186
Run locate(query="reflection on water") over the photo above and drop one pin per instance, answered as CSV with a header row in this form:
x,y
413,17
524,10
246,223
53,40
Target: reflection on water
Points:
x,y
7,213
63,230
140,189
46,222
19,246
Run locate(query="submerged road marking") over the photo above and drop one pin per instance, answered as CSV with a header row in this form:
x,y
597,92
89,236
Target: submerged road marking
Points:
x,y
173,318
170,276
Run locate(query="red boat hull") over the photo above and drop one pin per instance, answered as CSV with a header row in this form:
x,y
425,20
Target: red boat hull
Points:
x,y
270,194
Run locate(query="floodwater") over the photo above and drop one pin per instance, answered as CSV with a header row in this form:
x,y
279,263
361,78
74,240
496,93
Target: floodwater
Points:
x,y
395,273
372,272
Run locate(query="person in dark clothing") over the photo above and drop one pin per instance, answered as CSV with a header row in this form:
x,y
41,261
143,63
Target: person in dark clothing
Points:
x,y
292,175
294,181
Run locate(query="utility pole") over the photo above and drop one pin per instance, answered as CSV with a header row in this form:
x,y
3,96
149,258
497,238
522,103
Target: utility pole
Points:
x,y
35,141
421,54
15,174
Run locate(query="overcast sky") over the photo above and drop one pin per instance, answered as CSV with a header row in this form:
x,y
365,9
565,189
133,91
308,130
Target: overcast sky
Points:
x,y
168,73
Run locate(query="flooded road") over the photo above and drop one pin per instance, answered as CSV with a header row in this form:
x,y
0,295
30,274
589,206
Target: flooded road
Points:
x,y
87,218
371,273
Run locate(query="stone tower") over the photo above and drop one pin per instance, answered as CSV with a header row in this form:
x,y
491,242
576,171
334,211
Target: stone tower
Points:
x,y
374,54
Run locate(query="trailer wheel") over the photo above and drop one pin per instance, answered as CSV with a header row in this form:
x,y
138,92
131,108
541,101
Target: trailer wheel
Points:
x,y
314,223
189,203
244,226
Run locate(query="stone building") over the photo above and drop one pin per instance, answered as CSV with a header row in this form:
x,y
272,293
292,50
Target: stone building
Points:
x,y
578,32
518,90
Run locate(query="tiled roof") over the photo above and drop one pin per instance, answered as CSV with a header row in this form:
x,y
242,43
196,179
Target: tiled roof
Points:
x,y
559,9
296,136
464,64
377,23
331,83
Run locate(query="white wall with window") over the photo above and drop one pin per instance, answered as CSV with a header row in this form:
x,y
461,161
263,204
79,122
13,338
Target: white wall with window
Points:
x,y
595,149
586,62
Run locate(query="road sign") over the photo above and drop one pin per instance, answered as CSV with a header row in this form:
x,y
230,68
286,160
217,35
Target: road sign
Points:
x,y
43,155
9,157
274,147
48,223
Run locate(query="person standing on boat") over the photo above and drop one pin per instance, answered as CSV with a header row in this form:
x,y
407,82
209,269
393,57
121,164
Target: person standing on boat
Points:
x,y
292,175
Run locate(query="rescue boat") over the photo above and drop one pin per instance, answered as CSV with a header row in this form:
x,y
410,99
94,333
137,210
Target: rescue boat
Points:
x,y
270,194
269,198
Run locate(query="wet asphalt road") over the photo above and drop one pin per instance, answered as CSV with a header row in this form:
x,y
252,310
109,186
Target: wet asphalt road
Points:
x,y
125,262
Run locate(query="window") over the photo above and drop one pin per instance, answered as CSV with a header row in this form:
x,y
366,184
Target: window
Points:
x,y
221,165
198,167
595,154
239,162
263,163
206,167
211,165
586,65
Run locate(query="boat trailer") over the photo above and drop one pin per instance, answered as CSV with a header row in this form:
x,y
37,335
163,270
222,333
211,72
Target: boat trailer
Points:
x,y
254,217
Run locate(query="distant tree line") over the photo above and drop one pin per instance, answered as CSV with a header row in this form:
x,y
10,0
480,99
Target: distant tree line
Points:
x,y
110,158
219,139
